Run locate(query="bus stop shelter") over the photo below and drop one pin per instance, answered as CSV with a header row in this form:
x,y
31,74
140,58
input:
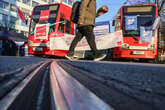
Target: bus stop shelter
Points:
x,y
11,43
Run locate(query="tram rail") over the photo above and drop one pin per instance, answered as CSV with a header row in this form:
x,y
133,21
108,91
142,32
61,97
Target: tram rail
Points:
x,y
46,85
69,94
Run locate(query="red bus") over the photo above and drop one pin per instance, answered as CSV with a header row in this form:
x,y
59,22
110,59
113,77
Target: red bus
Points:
x,y
140,41
49,21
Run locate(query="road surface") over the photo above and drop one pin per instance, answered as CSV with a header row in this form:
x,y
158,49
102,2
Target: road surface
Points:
x,y
122,85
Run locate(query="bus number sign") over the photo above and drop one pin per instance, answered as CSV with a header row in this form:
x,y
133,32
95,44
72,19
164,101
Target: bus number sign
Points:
x,y
139,9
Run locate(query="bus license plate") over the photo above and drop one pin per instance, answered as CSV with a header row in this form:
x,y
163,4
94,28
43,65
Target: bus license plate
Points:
x,y
37,49
138,52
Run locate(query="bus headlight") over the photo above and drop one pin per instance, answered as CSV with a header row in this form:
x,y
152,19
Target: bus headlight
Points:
x,y
125,46
151,46
38,49
30,43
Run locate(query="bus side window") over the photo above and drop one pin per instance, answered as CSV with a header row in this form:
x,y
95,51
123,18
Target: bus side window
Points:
x,y
68,27
64,26
61,26
52,20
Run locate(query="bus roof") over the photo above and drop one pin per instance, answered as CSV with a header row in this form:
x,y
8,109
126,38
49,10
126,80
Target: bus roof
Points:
x,y
138,5
119,11
52,4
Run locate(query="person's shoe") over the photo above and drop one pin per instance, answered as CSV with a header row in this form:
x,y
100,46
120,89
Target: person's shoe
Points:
x,y
100,57
69,57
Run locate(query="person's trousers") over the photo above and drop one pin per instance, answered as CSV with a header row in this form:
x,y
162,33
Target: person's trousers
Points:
x,y
86,31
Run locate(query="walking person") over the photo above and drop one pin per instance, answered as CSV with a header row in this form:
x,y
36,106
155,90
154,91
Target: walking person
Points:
x,y
85,27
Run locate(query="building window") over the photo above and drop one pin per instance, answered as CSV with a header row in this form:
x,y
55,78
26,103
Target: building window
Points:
x,y
26,2
13,7
34,3
53,1
3,21
4,18
4,5
44,0
1,17
64,1
70,2
13,19
12,22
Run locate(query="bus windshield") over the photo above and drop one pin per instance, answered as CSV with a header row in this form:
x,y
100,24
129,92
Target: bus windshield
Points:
x,y
44,14
136,17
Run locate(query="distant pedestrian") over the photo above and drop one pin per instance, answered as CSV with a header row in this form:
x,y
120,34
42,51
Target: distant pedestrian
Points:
x,y
85,27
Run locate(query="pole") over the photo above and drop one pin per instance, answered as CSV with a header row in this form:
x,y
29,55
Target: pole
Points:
x,y
9,17
161,6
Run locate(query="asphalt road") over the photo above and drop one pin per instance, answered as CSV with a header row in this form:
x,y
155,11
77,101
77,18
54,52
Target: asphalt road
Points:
x,y
14,73
125,86
11,63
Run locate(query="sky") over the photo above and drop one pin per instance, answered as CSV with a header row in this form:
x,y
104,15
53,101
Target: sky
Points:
x,y
113,5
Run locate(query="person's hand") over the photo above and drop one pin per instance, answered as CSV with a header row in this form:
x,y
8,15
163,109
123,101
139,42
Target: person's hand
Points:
x,y
102,10
100,13
80,23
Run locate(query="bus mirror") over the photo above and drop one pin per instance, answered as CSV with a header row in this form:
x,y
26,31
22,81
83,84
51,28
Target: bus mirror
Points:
x,y
156,23
113,23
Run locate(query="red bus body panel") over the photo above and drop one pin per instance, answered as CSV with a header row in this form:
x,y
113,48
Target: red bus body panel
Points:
x,y
119,52
66,11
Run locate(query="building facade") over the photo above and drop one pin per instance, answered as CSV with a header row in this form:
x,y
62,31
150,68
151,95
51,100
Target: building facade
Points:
x,y
9,20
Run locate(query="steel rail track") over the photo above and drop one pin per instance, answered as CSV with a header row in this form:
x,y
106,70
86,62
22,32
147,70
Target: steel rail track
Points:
x,y
50,87
10,101
68,94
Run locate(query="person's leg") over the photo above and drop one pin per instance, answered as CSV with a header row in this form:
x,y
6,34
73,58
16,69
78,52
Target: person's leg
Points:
x,y
87,31
77,38
90,37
